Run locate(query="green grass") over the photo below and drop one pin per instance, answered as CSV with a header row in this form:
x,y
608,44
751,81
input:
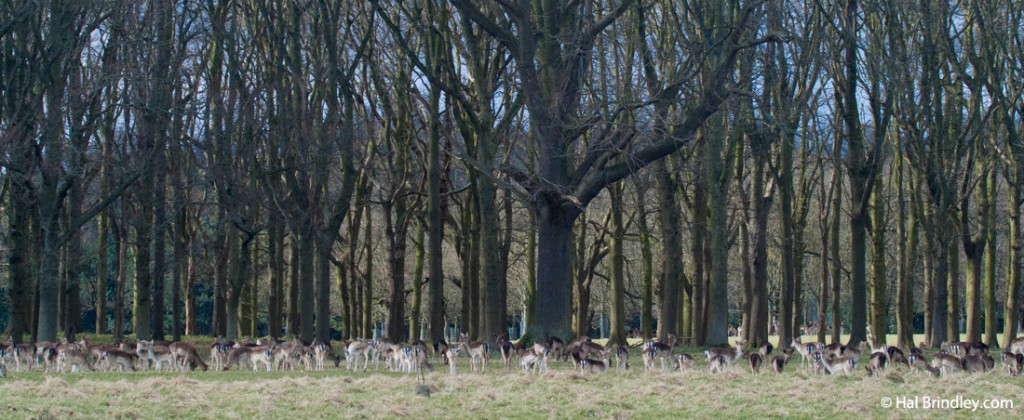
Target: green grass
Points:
x,y
560,393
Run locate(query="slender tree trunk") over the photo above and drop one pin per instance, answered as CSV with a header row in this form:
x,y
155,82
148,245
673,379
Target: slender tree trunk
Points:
x,y
668,220
879,276
647,262
121,261
990,259
367,315
953,292
617,334
415,314
1013,278
19,261
694,297
905,289
718,290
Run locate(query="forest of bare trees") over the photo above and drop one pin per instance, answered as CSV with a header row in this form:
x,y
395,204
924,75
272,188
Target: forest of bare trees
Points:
x,y
333,168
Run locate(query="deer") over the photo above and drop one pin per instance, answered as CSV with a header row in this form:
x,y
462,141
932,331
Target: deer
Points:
x,y
806,350
441,349
1017,346
685,361
451,357
779,362
25,353
977,363
73,356
117,359
507,350
946,363
660,351
1013,362
843,364
727,355
322,351
621,354
185,356
219,352
756,360
595,365
918,362
256,355
477,352
359,349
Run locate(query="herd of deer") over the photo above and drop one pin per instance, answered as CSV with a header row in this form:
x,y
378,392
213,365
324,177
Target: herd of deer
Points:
x,y
584,354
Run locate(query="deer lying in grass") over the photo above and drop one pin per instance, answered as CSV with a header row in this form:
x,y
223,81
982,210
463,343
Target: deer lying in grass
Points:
x,y
477,352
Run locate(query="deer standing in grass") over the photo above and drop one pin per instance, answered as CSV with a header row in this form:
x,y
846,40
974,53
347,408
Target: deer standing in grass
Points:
x,y
477,352
360,349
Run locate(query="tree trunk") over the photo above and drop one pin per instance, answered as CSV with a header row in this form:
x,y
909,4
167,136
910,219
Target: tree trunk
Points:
x,y
367,306
554,230
617,333
668,220
19,261
1013,278
991,323
904,282
953,291
647,262
323,288
415,314
698,245
307,292
762,207
122,278
879,276
718,291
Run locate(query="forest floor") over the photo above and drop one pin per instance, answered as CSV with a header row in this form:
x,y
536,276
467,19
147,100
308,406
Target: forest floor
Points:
x,y
560,393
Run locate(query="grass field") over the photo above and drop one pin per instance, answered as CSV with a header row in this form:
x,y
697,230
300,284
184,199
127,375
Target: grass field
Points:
x,y
560,393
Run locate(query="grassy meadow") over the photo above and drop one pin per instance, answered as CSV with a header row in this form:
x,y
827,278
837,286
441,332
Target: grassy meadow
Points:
x,y
559,393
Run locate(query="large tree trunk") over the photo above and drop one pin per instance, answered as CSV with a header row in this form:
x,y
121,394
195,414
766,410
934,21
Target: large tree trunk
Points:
x,y
554,230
